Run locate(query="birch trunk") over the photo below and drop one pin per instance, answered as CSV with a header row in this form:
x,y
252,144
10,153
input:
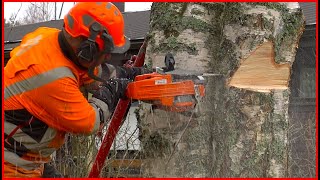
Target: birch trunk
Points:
x,y
245,51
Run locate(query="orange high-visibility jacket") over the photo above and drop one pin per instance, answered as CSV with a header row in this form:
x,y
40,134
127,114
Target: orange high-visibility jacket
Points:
x,y
42,102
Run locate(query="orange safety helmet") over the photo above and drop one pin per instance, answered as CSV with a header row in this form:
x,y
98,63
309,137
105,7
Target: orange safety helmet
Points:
x,y
83,14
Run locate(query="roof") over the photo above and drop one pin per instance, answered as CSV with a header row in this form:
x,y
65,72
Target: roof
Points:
x,y
309,11
136,27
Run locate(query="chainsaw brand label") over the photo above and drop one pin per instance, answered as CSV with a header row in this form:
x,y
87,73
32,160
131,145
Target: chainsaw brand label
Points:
x,y
161,81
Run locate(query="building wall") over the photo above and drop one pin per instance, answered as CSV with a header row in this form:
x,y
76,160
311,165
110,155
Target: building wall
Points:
x,y
302,107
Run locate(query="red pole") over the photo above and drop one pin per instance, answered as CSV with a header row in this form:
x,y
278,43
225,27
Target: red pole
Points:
x,y
115,123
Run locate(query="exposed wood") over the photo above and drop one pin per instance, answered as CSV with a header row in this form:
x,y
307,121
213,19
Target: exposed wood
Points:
x,y
259,72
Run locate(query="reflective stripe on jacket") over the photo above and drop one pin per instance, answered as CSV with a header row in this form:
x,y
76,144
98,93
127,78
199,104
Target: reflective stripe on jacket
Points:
x,y
41,91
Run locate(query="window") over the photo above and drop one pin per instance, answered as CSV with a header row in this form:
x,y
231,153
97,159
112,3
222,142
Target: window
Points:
x,y
307,87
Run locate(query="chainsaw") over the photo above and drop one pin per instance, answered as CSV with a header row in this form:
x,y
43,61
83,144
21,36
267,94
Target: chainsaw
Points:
x,y
169,92
164,90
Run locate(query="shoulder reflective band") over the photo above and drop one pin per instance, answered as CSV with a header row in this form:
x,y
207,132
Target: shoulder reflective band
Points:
x,y
37,81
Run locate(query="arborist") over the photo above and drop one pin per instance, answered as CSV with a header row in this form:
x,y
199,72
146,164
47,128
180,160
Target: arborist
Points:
x,y
42,80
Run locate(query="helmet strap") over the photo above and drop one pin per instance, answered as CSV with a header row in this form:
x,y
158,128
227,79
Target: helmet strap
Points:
x,y
108,42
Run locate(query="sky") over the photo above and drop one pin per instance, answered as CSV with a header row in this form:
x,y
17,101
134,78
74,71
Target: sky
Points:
x,y
13,7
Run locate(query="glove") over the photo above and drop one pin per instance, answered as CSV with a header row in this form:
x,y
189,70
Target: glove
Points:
x,y
109,71
130,62
131,73
111,92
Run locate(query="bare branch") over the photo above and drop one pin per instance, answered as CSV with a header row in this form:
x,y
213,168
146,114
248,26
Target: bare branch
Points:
x,y
38,12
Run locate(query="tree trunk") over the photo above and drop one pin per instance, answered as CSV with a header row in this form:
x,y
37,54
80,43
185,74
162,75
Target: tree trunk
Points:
x,y
245,51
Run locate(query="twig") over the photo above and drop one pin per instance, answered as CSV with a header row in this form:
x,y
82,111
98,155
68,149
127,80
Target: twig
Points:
x,y
14,20
175,147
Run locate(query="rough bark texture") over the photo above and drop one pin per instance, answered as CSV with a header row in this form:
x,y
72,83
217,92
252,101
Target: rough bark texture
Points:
x,y
239,133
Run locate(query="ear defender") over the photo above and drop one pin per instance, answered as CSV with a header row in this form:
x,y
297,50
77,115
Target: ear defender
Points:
x,y
88,49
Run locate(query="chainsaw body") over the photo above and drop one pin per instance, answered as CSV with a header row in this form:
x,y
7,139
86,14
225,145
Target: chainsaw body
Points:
x,y
167,91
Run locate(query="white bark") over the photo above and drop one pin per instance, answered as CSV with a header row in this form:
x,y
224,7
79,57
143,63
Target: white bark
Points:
x,y
240,133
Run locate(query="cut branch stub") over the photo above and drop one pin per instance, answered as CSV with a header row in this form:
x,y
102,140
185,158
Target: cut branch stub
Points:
x,y
259,72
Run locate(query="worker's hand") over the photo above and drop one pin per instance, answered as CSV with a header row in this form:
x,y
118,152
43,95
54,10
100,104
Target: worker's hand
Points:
x,y
109,71
111,92
131,73
130,62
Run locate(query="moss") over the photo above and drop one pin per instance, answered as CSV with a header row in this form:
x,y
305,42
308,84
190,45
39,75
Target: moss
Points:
x,y
292,24
223,56
149,63
280,123
246,20
263,98
275,6
221,49
166,17
226,126
234,136
291,31
172,22
195,24
173,45
254,157
224,12
278,150
149,36
286,93
267,24
156,145
151,41
232,12
196,11
278,146
249,165
228,12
